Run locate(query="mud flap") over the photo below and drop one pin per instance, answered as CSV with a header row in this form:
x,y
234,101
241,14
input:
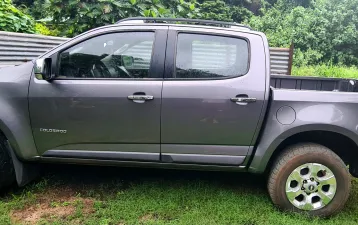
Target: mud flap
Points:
x,y
25,172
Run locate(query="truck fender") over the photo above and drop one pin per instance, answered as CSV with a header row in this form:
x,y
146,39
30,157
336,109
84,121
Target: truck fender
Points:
x,y
15,121
269,143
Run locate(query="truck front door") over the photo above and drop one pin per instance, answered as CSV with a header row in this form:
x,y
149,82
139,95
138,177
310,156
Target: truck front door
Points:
x,y
106,98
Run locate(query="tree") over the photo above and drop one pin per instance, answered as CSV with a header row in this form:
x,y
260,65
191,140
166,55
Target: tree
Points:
x,y
41,10
294,3
325,32
322,30
341,36
75,16
219,10
12,19
240,14
26,3
254,6
215,10
181,8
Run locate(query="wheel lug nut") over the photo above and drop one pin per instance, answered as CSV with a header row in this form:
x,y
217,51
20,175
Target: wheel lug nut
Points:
x,y
302,188
305,181
312,179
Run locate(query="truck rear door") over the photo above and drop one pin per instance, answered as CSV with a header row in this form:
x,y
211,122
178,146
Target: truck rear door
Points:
x,y
213,95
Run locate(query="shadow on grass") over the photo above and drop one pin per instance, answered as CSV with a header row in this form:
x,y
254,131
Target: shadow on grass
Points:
x,y
84,178
91,176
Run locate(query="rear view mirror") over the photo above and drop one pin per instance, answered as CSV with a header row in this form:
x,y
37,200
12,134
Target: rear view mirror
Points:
x,y
127,61
42,69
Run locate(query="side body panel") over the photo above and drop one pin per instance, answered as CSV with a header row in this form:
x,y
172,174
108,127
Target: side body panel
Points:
x,y
14,111
293,111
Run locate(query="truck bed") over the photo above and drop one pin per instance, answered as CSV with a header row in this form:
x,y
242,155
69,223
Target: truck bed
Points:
x,y
313,83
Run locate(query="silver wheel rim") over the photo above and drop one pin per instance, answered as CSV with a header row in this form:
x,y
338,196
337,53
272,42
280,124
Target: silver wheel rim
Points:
x,y
311,186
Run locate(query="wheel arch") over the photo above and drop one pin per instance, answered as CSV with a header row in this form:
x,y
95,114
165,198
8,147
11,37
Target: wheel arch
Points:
x,y
9,136
328,135
17,131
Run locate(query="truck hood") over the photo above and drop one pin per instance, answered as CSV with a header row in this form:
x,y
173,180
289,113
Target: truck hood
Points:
x,y
16,73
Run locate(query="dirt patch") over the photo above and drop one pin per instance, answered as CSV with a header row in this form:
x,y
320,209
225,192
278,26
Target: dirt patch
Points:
x,y
58,203
148,217
33,214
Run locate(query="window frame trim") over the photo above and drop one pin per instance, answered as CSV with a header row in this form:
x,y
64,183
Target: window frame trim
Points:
x,y
160,36
171,54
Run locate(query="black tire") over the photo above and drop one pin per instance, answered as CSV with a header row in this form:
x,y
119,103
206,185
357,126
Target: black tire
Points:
x,y
300,154
7,172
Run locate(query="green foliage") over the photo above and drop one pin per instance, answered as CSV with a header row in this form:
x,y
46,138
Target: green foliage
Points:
x,y
41,9
182,9
75,16
215,10
13,19
26,3
324,32
307,57
240,14
222,11
44,30
253,6
326,71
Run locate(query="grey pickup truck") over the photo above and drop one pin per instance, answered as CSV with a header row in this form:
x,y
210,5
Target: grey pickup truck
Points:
x,y
184,94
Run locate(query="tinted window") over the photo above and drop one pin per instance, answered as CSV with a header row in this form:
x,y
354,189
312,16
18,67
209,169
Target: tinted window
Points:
x,y
117,55
207,56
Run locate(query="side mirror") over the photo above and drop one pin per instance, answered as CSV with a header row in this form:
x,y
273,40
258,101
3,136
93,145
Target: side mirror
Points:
x,y
42,69
127,61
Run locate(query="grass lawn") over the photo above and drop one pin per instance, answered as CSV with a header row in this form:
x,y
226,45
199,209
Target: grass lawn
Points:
x,y
101,195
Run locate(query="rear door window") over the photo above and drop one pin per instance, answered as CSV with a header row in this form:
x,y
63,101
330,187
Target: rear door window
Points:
x,y
208,56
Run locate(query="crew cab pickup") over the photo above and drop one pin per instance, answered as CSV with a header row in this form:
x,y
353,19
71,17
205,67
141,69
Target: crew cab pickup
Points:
x,y
185,94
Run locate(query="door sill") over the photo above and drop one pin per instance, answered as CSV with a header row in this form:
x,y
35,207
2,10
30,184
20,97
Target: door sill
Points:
x,y
103,155
225,160
162,165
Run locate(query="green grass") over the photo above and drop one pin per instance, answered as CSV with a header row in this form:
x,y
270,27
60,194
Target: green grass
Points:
x,y
128,196
326,71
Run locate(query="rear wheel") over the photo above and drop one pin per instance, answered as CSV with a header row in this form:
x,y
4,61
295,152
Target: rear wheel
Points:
x,y
7,172
309,178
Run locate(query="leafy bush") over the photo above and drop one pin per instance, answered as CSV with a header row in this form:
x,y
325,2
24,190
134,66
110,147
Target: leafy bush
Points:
x,y
75,16
240,14
327,31
44,30
14,20
323,31
215,10
326,71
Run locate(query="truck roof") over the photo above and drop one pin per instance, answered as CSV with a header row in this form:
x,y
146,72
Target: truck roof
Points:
x,y
181,21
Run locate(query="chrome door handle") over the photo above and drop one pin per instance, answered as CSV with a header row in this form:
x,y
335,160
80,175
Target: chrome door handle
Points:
x,y
140,98
243,100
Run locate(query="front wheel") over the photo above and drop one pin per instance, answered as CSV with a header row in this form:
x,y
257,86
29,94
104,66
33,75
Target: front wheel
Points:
x,y
309,178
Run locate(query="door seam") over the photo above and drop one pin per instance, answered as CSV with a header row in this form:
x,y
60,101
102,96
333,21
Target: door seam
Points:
x,y
161,99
